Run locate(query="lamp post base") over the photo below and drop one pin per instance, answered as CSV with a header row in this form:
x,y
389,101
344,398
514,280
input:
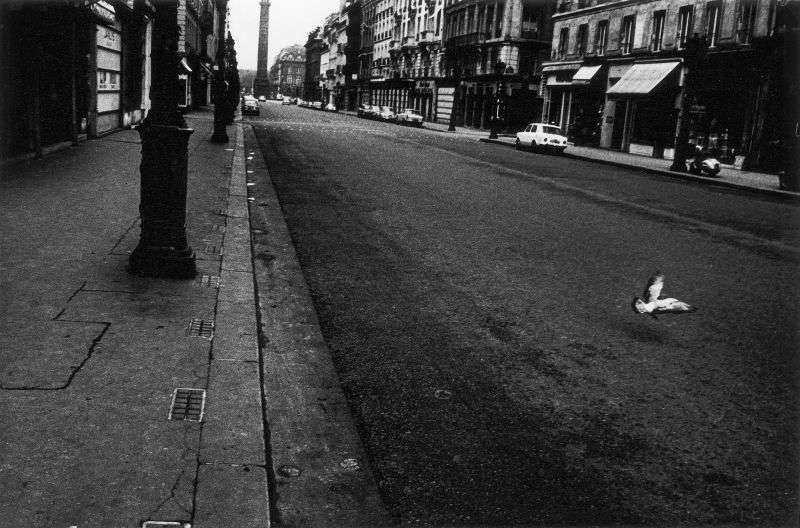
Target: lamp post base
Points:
x,y
163,249
163,262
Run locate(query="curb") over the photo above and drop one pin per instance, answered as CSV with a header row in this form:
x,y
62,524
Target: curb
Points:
x,y
677,175
232,479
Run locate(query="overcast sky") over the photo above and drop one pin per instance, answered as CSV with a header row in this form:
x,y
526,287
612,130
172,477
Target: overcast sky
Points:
x,y
290,22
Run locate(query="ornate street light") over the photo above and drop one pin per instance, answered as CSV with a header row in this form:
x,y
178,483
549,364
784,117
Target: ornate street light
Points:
x,y
499,103
694,56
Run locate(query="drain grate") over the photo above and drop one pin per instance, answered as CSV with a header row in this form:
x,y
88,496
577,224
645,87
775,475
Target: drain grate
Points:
x,y
208,281
211,249
200,328
188,405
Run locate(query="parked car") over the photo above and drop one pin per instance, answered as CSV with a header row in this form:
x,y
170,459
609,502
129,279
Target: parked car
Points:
x,y
409,116
387,114
300,102
541,136
262,98
364,110
330,107
250,106
317,105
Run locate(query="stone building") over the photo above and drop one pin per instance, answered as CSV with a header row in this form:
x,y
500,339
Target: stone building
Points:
x,y
312,90
289,71
375,67
493,52
86,75
202,29
619,75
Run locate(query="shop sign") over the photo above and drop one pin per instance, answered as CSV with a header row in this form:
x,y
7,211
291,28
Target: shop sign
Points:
x,y
108,38
107,80
697,109
104,11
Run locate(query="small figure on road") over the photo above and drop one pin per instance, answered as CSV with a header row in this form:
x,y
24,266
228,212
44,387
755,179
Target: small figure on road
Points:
x,y
655,304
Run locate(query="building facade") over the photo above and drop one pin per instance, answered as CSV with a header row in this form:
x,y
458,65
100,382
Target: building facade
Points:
x,y
87,75
288,73
202,30
629,74
312,90
493,54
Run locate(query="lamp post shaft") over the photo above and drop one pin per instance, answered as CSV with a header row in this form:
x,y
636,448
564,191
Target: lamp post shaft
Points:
x,y
163,249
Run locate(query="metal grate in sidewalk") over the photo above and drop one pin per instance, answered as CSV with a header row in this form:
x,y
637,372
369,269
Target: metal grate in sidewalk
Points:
x,y
188,405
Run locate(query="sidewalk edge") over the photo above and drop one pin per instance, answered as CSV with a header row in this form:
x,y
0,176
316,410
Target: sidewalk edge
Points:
x,y
677,175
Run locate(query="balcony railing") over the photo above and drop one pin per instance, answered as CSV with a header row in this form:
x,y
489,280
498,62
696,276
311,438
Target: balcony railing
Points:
x,y
409,42
469,39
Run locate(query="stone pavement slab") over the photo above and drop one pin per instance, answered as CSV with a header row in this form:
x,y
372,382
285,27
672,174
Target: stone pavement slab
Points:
x,y
90,355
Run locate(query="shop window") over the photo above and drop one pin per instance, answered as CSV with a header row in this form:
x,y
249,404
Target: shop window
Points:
x,y
583,35
712,24
685,22
657,36
745,21
601,37
626,34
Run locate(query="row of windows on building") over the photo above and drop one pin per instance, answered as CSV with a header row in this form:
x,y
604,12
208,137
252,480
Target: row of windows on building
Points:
x,y
686,14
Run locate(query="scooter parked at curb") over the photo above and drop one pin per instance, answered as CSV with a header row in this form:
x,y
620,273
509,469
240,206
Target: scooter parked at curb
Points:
x,y
703,164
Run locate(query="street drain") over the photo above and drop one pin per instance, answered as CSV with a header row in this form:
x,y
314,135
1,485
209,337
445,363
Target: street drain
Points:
x,y
200,328
211,249
188,405
209,281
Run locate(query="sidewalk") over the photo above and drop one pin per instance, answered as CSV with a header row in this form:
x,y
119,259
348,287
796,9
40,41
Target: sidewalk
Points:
x,y
90,356
728,176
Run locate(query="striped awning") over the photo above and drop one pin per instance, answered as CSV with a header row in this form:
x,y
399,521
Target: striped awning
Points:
x,y
642,78
585,74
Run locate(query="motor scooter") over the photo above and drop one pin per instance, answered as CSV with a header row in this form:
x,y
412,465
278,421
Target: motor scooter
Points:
x,y
703,164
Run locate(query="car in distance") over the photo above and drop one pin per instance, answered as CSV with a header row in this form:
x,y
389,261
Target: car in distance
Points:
x,y
364,110
541,136
317,105
330,107
250,106
262,98
387,114
409,116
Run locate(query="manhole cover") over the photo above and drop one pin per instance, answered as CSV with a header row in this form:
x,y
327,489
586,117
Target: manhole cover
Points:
x,y
188,404
201,328
442,394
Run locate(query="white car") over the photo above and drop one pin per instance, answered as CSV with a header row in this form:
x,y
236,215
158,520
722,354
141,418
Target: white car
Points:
x,y
409,116
387,114
262,98
330,107
542,136
317,105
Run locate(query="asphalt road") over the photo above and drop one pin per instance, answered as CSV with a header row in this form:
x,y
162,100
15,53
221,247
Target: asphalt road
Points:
x,y
476,300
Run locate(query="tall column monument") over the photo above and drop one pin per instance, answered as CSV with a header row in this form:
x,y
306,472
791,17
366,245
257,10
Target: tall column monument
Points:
x,y
261,84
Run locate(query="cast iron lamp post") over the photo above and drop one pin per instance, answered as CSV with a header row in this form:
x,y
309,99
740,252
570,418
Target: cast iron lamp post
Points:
x,y
451,127
499,70
220,134
163,249
694,55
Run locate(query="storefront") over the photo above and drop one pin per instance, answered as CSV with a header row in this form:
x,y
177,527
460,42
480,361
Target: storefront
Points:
x,y
640,114
107,114
557,107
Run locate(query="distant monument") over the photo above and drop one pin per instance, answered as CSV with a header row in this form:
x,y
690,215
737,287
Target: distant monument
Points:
x,y
261,86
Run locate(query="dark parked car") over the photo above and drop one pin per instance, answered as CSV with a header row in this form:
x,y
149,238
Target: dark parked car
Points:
x,y
250,106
